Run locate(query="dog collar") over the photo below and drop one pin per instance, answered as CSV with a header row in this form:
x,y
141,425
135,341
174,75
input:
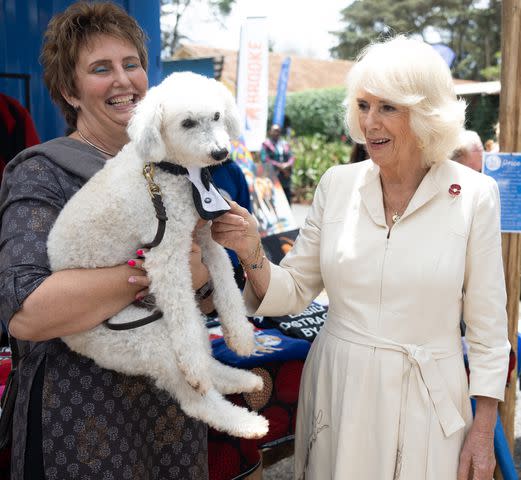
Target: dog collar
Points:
x,y
172,168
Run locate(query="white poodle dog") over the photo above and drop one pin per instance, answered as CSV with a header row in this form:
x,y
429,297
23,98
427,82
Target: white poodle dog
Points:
x,y
187,120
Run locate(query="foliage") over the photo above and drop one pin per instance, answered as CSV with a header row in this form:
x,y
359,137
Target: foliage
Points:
x,y
482,115
314,154
466,26
315,111
174,10
493,72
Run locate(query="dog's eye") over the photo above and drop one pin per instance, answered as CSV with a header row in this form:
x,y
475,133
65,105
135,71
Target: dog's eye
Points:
x,y
189,123
217,116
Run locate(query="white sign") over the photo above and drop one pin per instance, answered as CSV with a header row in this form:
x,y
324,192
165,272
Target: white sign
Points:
x,y
252,81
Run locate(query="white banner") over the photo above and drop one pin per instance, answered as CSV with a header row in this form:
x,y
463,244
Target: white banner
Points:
x,y
252,81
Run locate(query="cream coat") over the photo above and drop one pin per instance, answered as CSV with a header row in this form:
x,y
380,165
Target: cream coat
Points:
x,y
384,392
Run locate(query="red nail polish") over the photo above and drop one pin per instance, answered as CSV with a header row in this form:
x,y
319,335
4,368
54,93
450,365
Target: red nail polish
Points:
x,y
131,263
139,253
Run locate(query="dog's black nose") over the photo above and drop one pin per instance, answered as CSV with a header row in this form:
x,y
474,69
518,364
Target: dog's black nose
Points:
x,y
220,154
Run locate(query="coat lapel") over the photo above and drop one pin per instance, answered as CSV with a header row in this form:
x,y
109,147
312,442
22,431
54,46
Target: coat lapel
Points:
x,y
371,193
428,189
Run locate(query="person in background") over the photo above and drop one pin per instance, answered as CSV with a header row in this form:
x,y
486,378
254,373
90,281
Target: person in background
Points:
x,y
492,145
489,145
73,419
276,151
469,151
358,153
232,184
17,130
403,244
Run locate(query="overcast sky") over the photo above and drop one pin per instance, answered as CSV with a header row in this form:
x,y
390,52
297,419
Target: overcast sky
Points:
x,y
295,26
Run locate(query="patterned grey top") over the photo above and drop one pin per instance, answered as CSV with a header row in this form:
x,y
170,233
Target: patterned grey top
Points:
x,y
96,423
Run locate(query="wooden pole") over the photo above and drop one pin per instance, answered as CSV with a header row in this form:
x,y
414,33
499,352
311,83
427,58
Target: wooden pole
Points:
x,y
510,141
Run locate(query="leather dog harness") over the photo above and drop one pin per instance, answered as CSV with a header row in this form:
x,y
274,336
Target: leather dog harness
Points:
x,y
208,201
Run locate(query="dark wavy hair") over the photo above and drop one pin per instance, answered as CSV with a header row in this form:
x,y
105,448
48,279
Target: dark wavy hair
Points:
x,y
68,32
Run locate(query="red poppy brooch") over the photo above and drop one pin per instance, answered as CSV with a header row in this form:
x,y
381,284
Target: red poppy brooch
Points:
x,y
454,190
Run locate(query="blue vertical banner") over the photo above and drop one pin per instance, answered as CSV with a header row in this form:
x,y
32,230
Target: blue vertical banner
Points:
x,y
280,100
505,169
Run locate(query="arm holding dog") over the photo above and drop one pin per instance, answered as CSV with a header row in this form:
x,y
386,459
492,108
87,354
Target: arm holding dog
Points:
x,y
90,296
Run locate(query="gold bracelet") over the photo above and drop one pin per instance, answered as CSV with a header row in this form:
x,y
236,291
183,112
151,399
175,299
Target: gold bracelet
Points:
x,y
253,266
253,254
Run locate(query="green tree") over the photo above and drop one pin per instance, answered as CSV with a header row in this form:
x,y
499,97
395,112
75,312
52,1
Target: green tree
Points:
x,y
173,10
469,28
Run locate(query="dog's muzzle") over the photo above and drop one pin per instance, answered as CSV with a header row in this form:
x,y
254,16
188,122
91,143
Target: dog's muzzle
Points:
x,y
219,155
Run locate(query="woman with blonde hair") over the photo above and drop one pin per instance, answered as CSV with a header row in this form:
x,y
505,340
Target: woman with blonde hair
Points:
x,y
402,243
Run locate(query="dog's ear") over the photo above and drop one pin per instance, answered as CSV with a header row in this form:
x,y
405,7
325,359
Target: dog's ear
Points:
x,y
144,128
231,113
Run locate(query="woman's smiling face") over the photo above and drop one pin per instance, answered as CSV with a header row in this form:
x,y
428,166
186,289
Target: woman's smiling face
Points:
x,y
387,131
109,82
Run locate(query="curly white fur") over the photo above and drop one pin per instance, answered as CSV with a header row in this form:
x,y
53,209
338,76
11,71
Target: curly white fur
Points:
x,y
112,215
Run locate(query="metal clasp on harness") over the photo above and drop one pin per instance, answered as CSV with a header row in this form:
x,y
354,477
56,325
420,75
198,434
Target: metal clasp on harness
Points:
x,y
148,173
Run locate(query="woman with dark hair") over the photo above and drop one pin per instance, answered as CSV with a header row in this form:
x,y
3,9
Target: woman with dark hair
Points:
x,y
358,153
73,419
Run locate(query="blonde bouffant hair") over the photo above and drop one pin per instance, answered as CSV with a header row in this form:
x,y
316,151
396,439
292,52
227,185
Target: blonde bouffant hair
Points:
x,y
412,74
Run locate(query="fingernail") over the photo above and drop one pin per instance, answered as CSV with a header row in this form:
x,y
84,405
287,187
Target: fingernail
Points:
x,y
140,252
131,263
131,279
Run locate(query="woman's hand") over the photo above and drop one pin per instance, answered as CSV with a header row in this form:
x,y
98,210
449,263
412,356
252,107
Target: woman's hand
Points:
x,y
139,276
477,460
236,230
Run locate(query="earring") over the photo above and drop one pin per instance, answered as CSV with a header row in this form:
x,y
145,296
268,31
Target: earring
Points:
x,y
76,107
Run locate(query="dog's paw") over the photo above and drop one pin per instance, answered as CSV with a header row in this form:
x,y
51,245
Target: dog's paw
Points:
x,y
257,385
252,384
254,427
241,340
242,381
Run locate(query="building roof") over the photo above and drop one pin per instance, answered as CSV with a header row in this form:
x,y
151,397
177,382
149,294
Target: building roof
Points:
x,y
474,88
304,74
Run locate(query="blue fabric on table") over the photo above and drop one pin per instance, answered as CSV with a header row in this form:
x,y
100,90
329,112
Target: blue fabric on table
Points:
x,y
272,345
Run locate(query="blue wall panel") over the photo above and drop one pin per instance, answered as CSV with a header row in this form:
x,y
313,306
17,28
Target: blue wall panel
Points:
x,y
202,66
22,24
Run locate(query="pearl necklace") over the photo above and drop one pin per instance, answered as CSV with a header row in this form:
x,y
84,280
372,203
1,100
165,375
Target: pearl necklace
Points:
x,y
99,149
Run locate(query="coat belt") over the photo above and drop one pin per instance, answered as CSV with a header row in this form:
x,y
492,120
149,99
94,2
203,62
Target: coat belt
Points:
x,y
422,357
